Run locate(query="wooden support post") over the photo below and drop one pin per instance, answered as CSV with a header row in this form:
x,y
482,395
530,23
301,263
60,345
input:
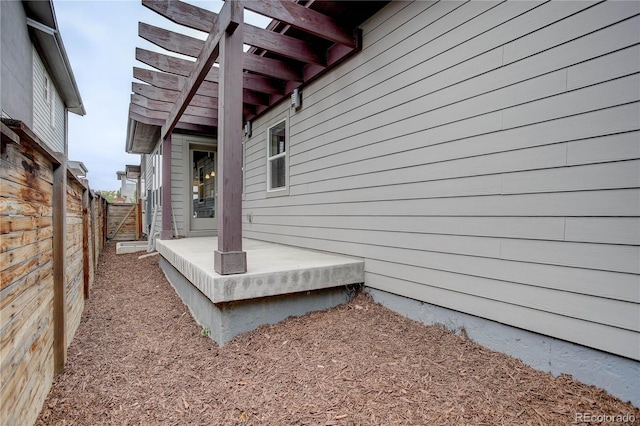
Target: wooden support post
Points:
x,y
86,241
138,218
95,247
229,258
167,232
59,267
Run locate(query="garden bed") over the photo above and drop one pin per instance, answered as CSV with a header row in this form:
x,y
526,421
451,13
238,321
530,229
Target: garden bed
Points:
x,y
140,358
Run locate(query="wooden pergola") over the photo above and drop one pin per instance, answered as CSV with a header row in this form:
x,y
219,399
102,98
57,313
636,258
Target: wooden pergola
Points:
x,y
304,39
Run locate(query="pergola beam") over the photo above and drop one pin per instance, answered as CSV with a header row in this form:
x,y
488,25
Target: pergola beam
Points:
x,y
173,82
162,115
301,43
179,66
207,88
181,13
201,19
167,95
304,19
197,128
228,20
190,46
167,106
170,40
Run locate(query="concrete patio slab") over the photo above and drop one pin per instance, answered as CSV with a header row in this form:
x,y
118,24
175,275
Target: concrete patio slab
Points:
x,y
130,247
272,269
281,281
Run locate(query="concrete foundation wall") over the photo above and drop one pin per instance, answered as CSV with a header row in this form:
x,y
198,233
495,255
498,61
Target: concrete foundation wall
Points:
x,y
227,320
616,374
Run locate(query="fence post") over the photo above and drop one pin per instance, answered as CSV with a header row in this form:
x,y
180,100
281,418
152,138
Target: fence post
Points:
x,y
86,241
59,266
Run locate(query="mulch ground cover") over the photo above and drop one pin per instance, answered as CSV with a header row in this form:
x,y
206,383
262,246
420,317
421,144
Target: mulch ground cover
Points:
x,y
140,359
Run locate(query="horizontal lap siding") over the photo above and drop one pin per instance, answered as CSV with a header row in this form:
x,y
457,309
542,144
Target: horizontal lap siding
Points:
x,y
480,156
178,183
50,130
147,161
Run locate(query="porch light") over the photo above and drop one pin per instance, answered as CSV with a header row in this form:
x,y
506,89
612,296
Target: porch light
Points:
x,y
296,98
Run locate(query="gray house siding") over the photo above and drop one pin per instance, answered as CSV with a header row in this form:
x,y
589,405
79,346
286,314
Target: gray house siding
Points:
x,y
481,156
15,63
48,113
179,182
181,188
150,199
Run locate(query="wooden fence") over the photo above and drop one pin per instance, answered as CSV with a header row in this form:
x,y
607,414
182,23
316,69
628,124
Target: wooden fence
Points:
x,y
123,222
52,229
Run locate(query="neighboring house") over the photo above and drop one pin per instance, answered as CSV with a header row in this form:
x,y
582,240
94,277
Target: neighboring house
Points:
x,y
38,87
482,157
78,169
127,187
51,223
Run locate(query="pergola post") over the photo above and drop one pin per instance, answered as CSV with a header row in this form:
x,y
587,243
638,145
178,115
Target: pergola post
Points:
x,y
167,232
229,258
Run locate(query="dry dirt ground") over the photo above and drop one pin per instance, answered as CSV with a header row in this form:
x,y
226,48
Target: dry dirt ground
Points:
x,y
140,359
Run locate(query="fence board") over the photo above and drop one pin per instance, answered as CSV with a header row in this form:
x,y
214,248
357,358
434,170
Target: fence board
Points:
x,y
122,222
27,263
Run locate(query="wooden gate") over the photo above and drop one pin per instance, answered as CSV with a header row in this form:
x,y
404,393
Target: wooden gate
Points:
x,y
122,222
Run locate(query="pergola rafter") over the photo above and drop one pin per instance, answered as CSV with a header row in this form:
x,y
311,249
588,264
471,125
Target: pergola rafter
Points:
x,y
179,66
190,46
152,104
201,19
305,39
163,115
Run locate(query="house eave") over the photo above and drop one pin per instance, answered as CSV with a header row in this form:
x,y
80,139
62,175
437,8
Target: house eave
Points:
x,y
45,34
142,135
132,171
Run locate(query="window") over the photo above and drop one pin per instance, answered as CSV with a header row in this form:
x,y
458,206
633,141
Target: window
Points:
x,y
47,90
156,176
49,100
201,184
276,157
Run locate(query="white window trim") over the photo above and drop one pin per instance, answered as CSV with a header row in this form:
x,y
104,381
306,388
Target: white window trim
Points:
x,y
156,176
244,159
283,190
47,90
50,101
52,112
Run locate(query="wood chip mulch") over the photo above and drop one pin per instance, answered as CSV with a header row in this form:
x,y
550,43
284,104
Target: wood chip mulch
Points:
x,y
140,359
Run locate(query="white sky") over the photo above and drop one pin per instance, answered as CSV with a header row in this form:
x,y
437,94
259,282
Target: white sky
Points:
x,y
100,38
